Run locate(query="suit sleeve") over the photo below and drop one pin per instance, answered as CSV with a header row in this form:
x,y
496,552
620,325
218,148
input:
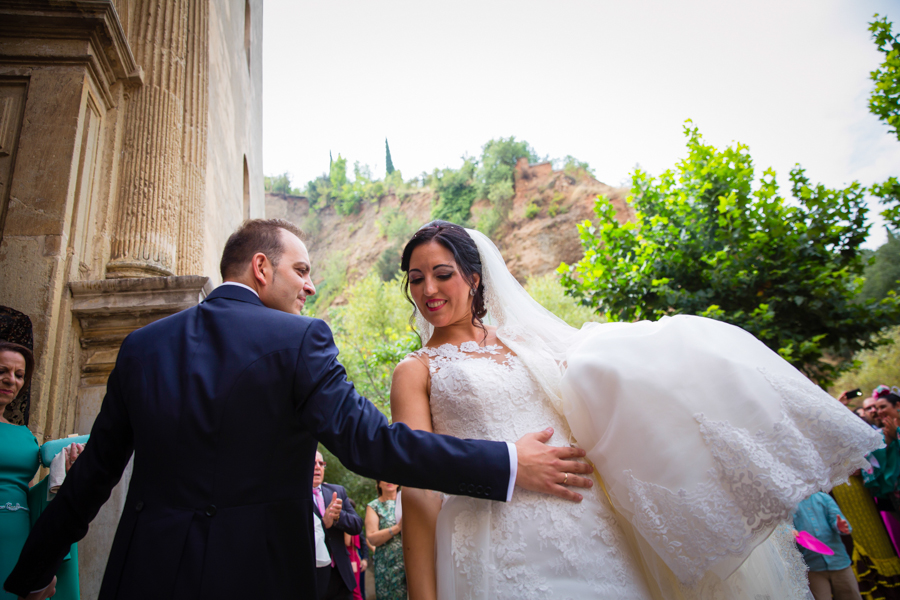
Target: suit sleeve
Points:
x,y
87,486
359,435
348,521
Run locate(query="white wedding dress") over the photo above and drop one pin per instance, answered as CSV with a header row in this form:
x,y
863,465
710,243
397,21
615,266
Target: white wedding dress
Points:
x,y
536,546
705,441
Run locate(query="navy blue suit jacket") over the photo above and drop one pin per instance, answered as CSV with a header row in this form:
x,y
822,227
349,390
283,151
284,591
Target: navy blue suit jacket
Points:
x,y
348,522
223,404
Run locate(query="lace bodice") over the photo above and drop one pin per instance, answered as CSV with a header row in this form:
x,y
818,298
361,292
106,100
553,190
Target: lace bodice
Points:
x,y
484,392
537,546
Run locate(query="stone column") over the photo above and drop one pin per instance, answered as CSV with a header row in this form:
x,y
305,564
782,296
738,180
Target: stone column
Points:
x,y
144,239
196,118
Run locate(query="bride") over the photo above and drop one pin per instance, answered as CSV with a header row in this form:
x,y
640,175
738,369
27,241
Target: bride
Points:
x,y
704,442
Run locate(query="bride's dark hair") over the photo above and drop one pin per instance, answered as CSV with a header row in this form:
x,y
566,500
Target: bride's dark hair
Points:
x,y
455,239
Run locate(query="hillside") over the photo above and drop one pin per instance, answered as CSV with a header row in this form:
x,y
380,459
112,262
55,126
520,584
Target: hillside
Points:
x,y
353,245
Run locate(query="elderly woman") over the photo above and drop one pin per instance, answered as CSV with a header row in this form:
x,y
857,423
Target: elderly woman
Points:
x,y
383,532
19,461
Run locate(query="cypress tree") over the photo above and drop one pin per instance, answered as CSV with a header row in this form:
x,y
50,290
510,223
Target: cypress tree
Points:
x,y
389,164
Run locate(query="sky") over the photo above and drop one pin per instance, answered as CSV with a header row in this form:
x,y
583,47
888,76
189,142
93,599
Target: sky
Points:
x,y
609,82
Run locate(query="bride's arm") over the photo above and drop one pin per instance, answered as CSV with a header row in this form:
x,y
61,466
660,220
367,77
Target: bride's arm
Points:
x,y
409,404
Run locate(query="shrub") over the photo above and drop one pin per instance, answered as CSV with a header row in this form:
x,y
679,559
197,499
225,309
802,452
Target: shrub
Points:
x,y
549,293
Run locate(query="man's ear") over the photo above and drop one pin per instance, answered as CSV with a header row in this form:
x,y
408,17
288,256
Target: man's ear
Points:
x,y
260,267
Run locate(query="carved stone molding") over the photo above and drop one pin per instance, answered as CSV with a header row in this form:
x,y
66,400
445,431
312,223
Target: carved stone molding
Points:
x,y
85,32
109,309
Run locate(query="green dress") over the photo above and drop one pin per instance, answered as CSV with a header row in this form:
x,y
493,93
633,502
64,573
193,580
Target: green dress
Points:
x,y
390,574
882,480
19,461
20,507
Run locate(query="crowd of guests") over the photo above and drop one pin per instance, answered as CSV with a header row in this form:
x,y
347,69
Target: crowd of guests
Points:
x,y
860,521
343,550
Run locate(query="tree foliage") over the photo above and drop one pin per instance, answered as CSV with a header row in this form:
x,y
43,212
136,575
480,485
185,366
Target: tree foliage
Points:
x,y
389,164
549,293
496,178
373,334
710,240
279,184
455,192
883,271
884,103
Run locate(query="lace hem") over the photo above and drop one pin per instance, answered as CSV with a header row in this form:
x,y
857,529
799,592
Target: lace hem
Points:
x,y
758,481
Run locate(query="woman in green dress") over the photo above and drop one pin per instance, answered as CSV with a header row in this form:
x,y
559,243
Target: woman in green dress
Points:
x,y
383,531
19,461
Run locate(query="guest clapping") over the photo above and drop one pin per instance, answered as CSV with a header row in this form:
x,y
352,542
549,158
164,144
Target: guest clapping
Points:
x,y
336,582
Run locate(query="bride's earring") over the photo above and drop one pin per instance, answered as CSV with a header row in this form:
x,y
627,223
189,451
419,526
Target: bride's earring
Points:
x,y
471,291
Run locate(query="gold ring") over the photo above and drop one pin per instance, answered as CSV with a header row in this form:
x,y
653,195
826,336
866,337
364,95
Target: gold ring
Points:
x,y
566,479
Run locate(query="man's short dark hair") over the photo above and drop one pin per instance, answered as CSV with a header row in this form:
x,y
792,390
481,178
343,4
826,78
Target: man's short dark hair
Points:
x,y
253,236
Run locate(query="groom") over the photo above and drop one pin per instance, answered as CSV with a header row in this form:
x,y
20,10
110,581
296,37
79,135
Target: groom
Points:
x,y
223,405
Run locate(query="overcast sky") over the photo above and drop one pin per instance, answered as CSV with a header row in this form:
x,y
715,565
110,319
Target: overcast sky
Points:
x,y
608,82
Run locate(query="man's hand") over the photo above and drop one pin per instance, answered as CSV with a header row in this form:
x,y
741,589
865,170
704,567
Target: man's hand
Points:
x,y
363,563
549,470
333,512
42,594
843,526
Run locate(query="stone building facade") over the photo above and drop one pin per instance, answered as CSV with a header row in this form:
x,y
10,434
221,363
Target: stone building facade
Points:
x,y
130,148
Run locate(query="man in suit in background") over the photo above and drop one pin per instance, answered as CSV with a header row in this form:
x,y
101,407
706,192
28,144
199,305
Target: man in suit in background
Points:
x,y
335,582
223,406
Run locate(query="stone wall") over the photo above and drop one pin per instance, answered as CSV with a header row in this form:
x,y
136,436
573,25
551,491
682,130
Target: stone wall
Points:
x,y
126,129
235,116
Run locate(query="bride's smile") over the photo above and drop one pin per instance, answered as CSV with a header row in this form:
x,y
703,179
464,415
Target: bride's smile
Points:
x,y
439,288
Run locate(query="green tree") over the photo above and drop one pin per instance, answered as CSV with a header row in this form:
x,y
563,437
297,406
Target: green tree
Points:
x,y
372,333
884,103
709,240
278,184
337,172
883,271
496,177
549,293
455,192
389,164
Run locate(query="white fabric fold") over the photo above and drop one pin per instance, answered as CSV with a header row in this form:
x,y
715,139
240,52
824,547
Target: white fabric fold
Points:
x,y
57,474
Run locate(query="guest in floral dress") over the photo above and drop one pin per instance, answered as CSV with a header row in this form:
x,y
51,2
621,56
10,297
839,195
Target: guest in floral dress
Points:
x,y
383,532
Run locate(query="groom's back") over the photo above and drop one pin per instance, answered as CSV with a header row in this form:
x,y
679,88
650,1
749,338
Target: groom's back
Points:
x,y
222,464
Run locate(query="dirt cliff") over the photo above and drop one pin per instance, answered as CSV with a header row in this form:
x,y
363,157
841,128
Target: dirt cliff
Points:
x,y
539,233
